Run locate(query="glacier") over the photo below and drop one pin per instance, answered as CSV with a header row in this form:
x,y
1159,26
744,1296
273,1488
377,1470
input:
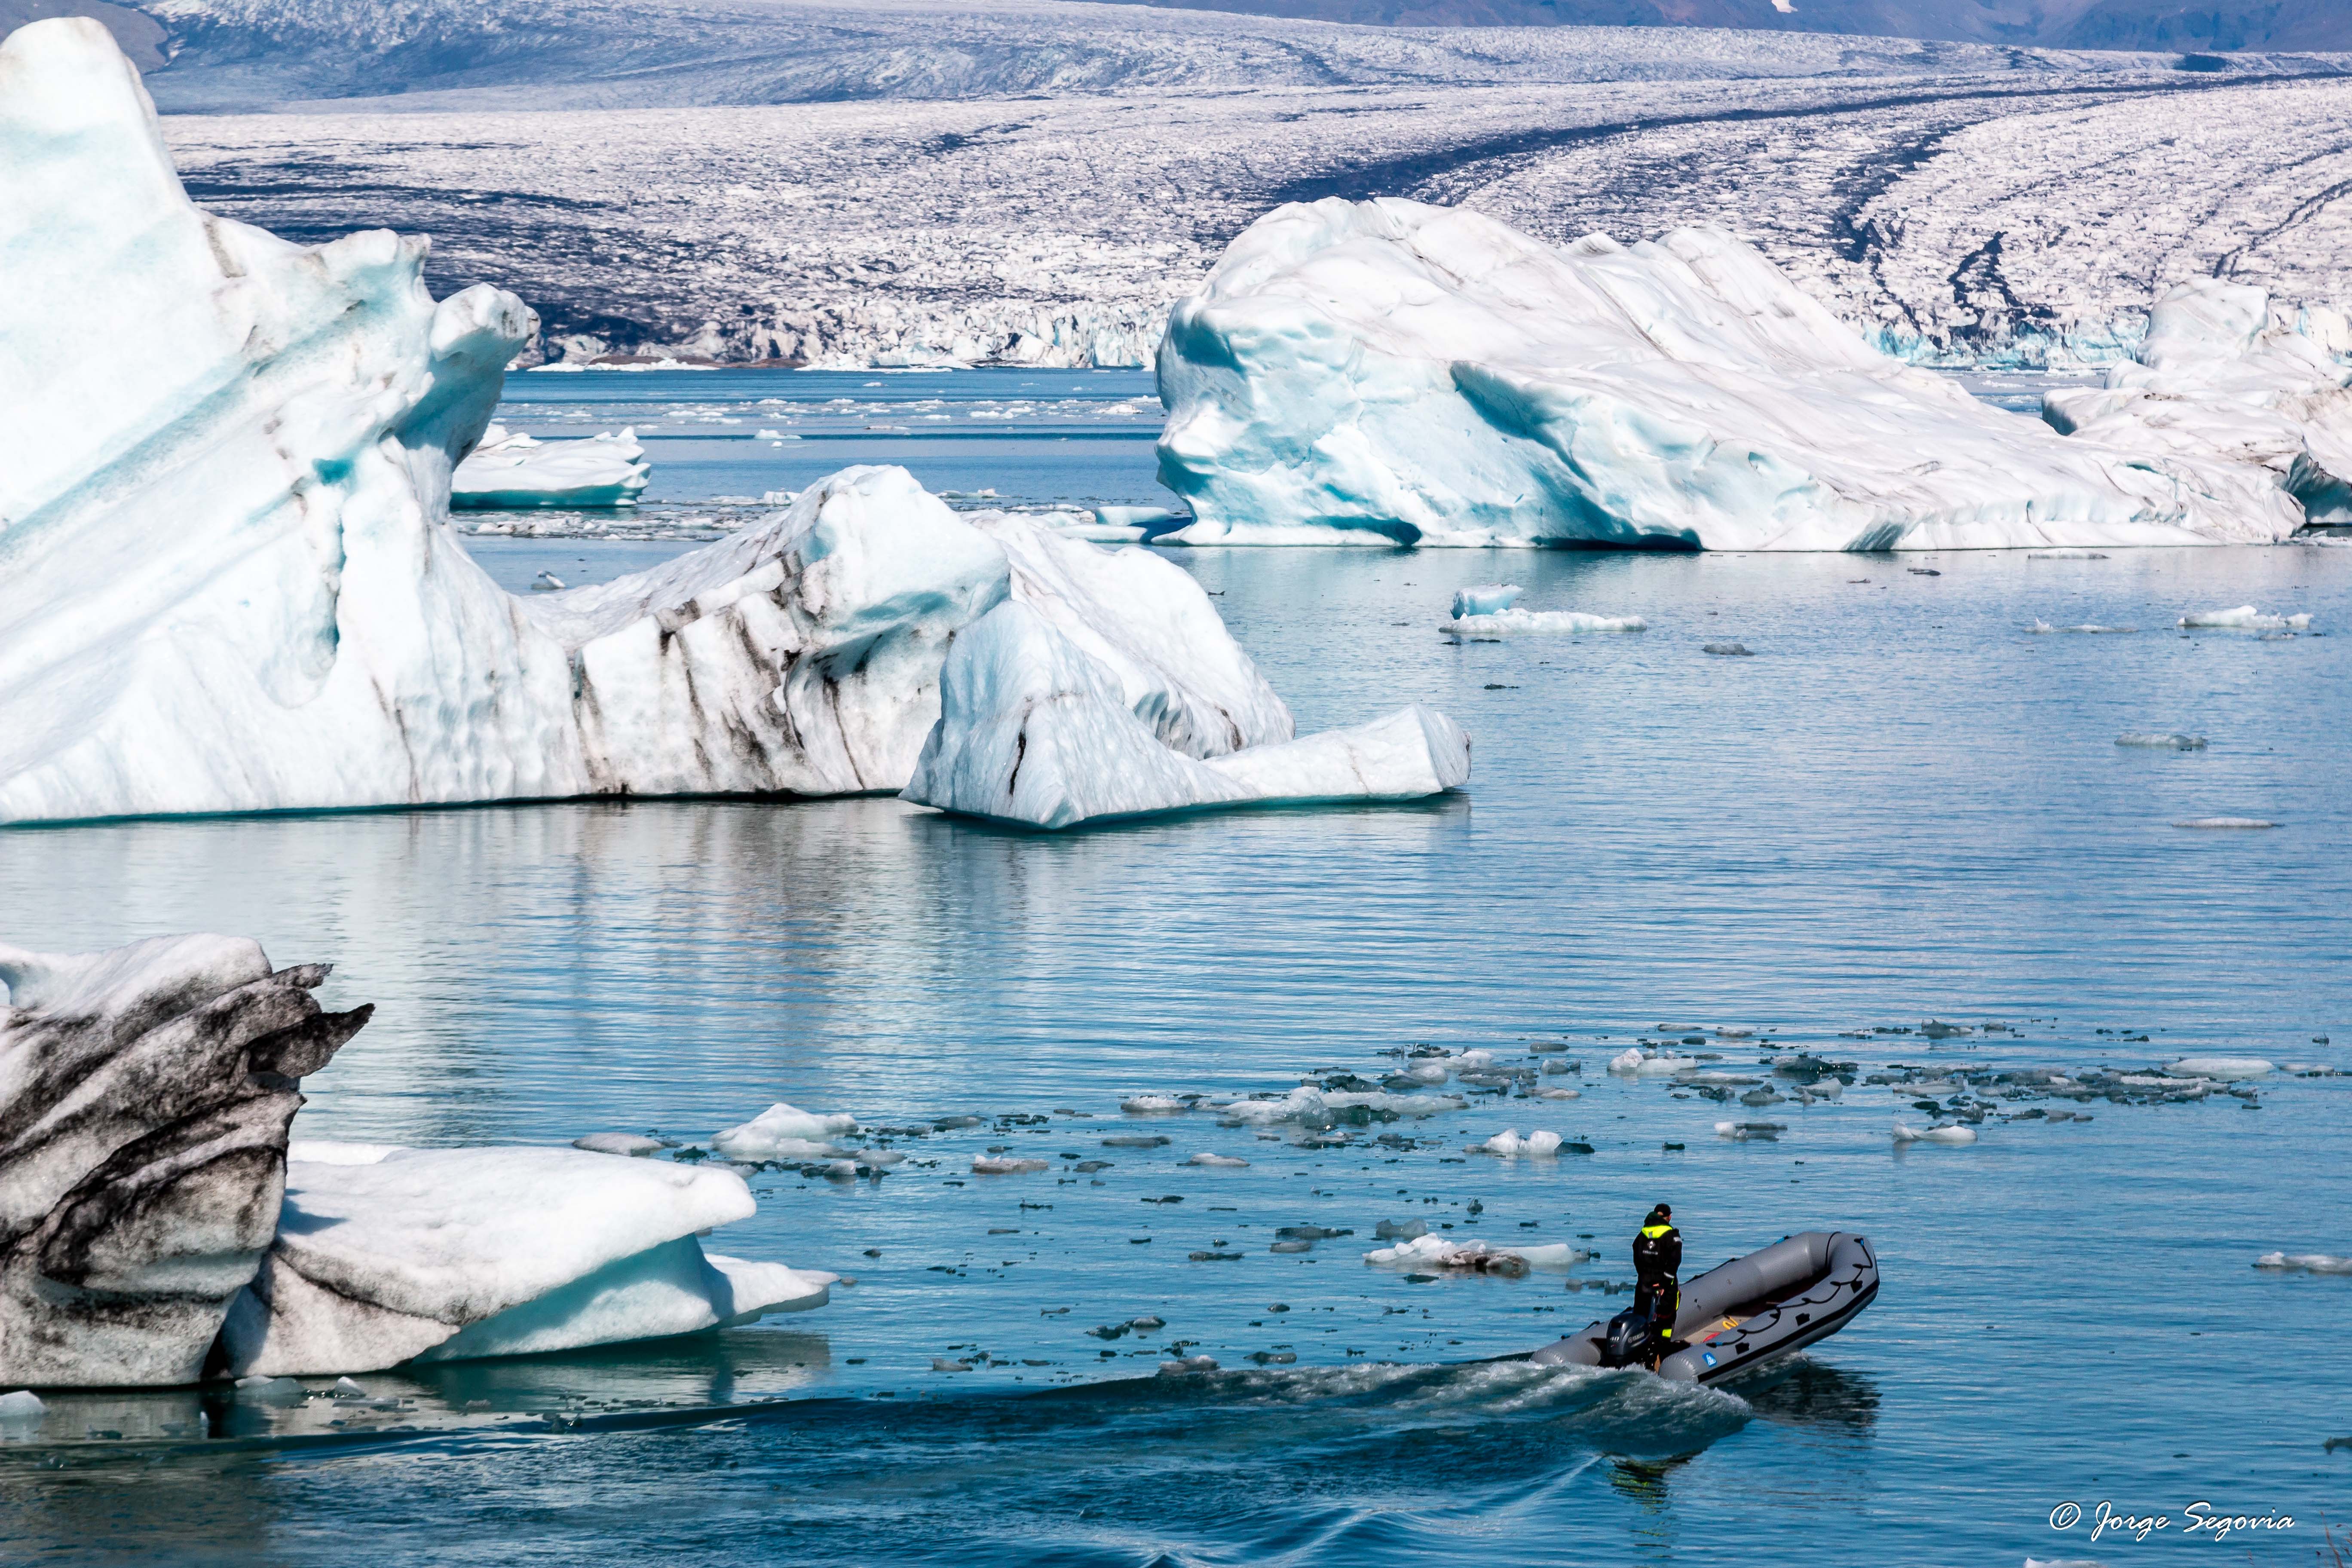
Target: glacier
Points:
x,y
2224,375
157,1224
1427,375
385,1256
509,469
145,1094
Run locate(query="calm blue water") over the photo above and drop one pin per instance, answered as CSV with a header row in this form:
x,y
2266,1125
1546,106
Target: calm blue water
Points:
x,y
1904,807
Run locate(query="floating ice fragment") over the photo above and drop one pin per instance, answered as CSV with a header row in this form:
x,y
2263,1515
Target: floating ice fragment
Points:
x,y
1537,623
2065,555
2162,742
783,1133
1273,1358
1400,1230
1004,1164
1426,1072
22,1407
2226,823
1485,599
2042,627
2299,1263
1221,1162
1632,1063
1440,1252
1154,1104
941,1363
630,1143
1136,1141
345,1388
547,583
1560,1094
1906,1133
950,1124
1746,1131
1536,1145
2244,617
2226,1068
1728,649
1190,1363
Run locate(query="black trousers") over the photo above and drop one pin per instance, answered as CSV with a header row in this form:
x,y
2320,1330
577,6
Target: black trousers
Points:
x,y
1659,1296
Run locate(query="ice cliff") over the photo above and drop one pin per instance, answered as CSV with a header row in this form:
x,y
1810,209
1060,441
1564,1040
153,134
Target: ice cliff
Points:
x,y
152,1225
2220,376
1431,376
508,468
233,587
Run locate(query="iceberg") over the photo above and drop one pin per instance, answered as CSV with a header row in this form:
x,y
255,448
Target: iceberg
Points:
x,y
2243,618
1391,372
781,1132
447,1254
2223,376
509,469
311,634
1034,733
144,1098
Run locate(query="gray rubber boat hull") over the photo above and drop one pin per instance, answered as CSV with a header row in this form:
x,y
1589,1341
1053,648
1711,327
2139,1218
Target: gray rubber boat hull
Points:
x,y
1753,1310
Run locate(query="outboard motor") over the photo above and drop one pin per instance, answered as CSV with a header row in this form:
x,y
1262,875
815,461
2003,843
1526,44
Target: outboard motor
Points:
x,y
1626,1340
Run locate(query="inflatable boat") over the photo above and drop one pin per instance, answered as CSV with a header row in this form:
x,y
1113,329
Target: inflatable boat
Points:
x,y
1741,1314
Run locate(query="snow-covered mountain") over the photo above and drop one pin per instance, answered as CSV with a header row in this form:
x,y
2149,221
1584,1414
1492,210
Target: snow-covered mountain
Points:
x,y
2212,24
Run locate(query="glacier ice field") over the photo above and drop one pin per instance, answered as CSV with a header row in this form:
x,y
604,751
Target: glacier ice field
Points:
x,y
1907,805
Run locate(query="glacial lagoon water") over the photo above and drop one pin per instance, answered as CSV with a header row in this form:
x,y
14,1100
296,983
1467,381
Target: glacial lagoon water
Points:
x,y
1904,805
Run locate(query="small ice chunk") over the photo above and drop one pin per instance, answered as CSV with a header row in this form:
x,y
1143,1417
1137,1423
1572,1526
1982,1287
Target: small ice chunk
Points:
x,y
1728,1032
2244,617
1400,1230
345,1388
941,1364
1442,1252
1426,1072
1484,598
1906,1133
1536,1145
630,1143
2064,555
1728,649
1538,622
1748,1131
2225,824
1560,1094
1004,1164
1221,1162
2156,741
2294,1263
547,583
1136,1141
783,1133
22,1407
1480,1058
2228,1068
1188,1364
1154,1104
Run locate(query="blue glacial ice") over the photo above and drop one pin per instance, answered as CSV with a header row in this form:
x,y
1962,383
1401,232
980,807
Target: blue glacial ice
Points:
x,y
509,469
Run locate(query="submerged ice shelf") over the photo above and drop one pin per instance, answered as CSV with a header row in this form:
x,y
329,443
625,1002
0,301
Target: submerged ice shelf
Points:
x,y
315,637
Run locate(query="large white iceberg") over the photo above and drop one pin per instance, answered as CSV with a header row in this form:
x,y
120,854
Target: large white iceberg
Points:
x,y
1386,370
384,1255
232,586
144,1098
2222,377
509,469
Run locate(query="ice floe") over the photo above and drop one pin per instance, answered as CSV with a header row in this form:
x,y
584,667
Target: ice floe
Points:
x,y
1219,1162
1154,1104
2229,1067
1428,375
783,1133
1504,623
2244,617
1907,1134
143,1134
1536,1145
508,469
1006,1165
442,1254
2303,1263
631,1145
1633,1062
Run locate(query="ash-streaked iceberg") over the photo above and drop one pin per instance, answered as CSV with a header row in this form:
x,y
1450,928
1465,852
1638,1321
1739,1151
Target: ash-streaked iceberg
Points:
x,y
144,1099
1389,372
509,469
1034,731
2223,376
384,1255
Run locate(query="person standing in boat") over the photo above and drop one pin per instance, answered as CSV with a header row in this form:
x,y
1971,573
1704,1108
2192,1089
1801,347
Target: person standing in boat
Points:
x,y
1657,1259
